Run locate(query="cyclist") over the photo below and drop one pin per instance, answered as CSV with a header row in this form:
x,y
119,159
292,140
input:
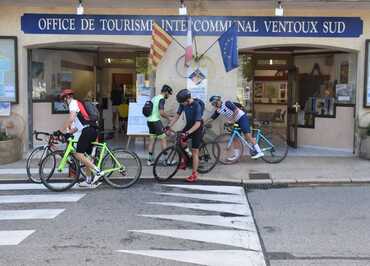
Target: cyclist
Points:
x,y
235,115
83,132
193,109
155,126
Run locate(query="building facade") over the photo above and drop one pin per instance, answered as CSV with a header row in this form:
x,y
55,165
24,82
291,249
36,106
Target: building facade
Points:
x,y
305,73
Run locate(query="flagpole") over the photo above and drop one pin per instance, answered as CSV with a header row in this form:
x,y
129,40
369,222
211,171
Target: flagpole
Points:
x,y
200,57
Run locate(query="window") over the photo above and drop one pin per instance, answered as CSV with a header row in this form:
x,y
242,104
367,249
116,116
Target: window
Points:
x,y
8,69
367,76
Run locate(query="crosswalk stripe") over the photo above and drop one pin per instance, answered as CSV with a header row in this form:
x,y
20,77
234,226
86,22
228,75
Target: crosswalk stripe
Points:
x,y
14,237
237,209
220,189
41,198
237,238
206,257
238,222
33,186
212,197
30,214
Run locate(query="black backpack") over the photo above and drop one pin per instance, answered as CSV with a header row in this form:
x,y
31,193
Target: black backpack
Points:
x,y
89,113
147,108
241,107
202,105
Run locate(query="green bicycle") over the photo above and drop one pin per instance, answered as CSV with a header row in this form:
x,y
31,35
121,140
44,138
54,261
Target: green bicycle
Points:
x,y
60,170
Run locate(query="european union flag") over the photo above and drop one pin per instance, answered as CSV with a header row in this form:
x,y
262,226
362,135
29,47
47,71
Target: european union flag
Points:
x,y
229,48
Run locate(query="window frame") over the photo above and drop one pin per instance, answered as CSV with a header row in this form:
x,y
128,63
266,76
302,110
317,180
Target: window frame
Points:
x,y
366,103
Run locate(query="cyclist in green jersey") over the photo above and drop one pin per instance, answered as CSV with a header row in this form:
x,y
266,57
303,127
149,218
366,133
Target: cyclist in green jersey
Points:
x,y
156,129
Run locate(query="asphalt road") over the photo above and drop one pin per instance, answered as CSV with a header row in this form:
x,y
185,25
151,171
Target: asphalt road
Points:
x,y
314,226
153,224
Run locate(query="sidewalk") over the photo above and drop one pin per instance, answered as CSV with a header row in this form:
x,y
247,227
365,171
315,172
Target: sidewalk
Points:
x,y
292,171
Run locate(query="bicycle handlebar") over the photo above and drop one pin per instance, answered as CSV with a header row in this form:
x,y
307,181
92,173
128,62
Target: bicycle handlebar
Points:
x,y
37,133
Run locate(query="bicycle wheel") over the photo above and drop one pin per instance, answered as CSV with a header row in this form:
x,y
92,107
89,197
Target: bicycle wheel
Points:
x,y
34,161
130,172
229,154
59,180
209,154
166,164
276,152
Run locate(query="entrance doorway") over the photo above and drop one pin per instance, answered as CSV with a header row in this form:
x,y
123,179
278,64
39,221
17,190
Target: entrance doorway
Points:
x,y
306,94
92,71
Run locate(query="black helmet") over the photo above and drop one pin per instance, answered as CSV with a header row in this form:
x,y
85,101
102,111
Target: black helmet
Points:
x,y
183,95
214,99
166,88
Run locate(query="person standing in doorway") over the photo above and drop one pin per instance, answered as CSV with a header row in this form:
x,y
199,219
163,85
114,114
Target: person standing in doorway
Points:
x,y
156,129
116,97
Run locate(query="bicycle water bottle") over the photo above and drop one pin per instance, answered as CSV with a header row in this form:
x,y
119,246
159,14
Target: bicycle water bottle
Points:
x,y
188,152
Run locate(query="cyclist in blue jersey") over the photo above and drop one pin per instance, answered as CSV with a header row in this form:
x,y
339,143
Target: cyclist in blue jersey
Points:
x,y
193,109
235,115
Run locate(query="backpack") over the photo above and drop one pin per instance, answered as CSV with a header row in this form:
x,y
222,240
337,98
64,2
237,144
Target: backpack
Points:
x,y
147,108
202,105
89,113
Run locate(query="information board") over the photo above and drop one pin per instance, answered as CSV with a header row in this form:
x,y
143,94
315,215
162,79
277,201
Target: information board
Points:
x,y
136,120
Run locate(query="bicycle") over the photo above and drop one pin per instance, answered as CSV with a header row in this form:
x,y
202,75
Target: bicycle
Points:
x,y
60,170
274,146
167,163
39,153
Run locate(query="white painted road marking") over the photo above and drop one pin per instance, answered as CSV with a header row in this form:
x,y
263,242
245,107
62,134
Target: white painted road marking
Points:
x,y
212,197
13,237
221,189
30,214
236,238
33,186
207,257
41,198
238,209
247,240
238,222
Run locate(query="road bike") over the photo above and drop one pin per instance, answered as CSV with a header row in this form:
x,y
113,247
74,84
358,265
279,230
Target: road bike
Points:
x,y
232,144
60,170
168,161
39,153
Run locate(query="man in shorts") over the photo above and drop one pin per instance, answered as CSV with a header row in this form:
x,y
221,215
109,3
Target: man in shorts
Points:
x,y
233,114
154,122
83,132
193,109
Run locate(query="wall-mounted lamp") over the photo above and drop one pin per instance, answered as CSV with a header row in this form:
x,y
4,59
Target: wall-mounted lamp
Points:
x,y
182,10
80,8
279,10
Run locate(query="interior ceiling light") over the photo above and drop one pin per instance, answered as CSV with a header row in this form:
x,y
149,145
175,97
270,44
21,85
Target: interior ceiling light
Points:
x,y
182,10
80,8
279,10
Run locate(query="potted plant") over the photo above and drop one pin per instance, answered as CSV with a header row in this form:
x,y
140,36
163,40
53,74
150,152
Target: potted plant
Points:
x,y
10,147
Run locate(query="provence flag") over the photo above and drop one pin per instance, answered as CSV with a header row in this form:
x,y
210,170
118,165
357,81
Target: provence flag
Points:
x,y
229,48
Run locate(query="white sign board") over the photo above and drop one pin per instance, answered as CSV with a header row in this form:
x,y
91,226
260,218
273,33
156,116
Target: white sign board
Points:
x,y
197,83
137,122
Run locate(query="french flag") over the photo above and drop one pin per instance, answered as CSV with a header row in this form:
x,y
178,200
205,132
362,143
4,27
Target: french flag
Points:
x,y
189,45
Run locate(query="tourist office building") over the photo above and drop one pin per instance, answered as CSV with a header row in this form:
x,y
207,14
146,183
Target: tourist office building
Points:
x,y
305,74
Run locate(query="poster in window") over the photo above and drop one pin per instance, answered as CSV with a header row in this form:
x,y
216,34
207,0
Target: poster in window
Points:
x,y
59,107
8,69
344,69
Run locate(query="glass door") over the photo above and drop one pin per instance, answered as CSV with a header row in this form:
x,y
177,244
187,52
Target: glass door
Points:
x,y
293,107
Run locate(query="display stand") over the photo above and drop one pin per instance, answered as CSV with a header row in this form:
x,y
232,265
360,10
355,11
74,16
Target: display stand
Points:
x,y
137,124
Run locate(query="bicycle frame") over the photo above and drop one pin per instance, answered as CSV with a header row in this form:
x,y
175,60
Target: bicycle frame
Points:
x,y
104,150
236,134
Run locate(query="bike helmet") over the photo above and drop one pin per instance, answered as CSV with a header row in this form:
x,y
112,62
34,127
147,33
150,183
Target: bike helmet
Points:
x,y
66,92
167,88
183,95
214,99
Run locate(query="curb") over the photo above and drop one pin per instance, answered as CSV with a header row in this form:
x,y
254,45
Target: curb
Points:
x,y
250,184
